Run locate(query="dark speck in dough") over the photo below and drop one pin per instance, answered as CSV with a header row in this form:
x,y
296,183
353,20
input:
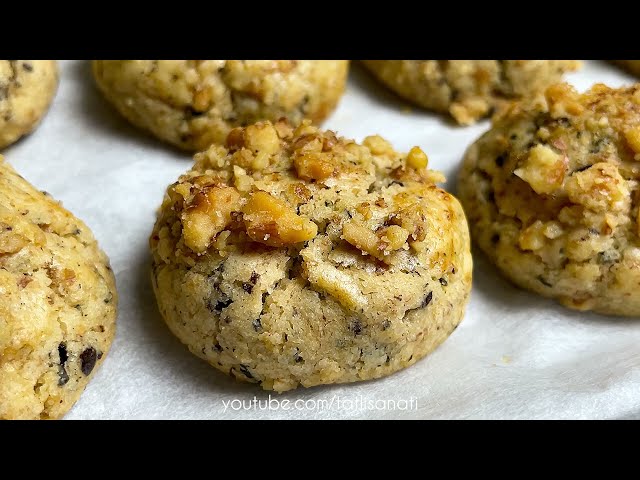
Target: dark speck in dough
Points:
x,y
88,360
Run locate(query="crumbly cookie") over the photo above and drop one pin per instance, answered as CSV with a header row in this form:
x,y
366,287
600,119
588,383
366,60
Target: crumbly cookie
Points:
x,y
468,90
632,66
194,103
297,257
552,194
57,303
27,88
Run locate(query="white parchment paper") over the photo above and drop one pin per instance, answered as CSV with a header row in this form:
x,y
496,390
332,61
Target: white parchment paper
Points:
x,y
515,355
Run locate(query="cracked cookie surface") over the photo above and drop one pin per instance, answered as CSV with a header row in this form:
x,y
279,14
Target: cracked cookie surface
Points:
x,y
295,257
57,303
27,88
552,194
468,90
194,103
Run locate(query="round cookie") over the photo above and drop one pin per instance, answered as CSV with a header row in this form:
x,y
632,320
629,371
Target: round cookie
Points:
x,y
552,195
632,66
57,303
194,103
27,88
291,258
468,90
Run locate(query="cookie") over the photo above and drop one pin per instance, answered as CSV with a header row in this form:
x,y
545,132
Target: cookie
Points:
x,y
57,303
468,90
27,88
194,103
291,258
632,66
552,195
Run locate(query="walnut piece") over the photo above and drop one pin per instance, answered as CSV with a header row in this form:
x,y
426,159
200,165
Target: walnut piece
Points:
x,y
563,100
271,221
208,214
599,188
261,137
11,243
377,244
533,237
378,145
395,236
314,166
412,219
544,170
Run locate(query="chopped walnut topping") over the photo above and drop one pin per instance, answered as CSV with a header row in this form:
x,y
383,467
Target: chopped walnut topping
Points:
x,y
599,188
235,139
377,145
377,244
242,181
253,146
314,166
243,158
543,169
553,230
273,222
362,238
11,242
329,140
304,128
283,128
300,192
255,187
395,236
364,209
307,143
412,219
533,237
563,100
208,213
262,137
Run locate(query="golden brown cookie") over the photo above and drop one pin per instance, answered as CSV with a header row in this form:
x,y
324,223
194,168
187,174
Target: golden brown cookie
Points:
x,y
468,90
296,257
57,303
552,194
27,88
193,103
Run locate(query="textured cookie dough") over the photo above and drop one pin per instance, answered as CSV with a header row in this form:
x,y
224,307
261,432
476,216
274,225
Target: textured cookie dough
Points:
x,y
57,303
27,88
297,257
468,90
632,66
551,193
194,103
